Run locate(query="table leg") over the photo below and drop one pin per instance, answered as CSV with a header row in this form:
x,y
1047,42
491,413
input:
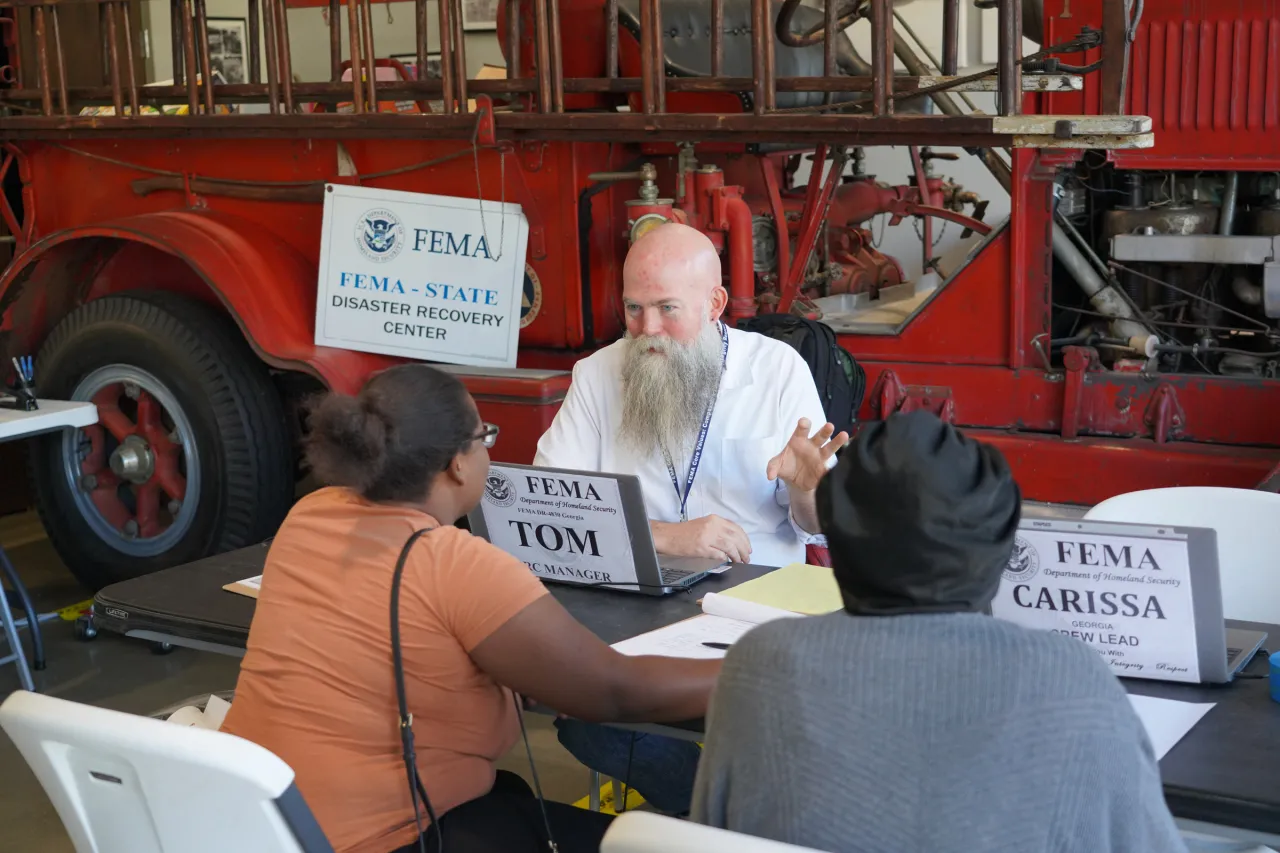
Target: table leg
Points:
x,y
20,590
19,654
593,798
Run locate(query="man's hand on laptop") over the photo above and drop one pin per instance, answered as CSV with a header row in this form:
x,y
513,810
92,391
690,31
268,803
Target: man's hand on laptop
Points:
x,y
709,536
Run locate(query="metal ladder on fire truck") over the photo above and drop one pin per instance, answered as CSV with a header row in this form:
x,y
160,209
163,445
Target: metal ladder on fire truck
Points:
x,y
531,106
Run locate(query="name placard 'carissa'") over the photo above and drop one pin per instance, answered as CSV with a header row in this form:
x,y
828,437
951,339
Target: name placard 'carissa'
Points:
x,y
422,276
567,526
1128,597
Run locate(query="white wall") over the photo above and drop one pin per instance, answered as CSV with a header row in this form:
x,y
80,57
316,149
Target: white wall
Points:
x,y
393,34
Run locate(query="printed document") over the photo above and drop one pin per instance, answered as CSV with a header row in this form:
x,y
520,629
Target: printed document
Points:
x,y
249,586
1166,720
723,621
685,639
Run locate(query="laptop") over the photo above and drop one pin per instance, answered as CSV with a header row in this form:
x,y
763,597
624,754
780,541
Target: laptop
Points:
x,y
1222,652
583,528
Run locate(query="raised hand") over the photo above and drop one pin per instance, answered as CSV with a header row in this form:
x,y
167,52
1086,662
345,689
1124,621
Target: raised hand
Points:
x,y
803,461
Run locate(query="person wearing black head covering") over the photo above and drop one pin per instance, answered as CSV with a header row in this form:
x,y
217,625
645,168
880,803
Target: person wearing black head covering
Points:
x,y
919,518
910,720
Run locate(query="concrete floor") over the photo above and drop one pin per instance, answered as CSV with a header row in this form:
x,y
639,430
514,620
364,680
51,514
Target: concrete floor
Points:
x,y
122,674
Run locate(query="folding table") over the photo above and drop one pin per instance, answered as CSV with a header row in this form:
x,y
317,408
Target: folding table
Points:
x,y
49,416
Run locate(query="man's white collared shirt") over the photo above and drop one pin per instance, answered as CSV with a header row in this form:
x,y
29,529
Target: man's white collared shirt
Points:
x,y
766,388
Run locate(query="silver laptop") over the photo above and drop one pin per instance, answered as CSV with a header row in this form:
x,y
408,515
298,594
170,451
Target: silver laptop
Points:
x,y
584,528
1223,652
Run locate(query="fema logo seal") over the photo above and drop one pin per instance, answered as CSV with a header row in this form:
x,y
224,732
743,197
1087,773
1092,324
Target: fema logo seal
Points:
x,y
498,489
1024,562
531,299
379,235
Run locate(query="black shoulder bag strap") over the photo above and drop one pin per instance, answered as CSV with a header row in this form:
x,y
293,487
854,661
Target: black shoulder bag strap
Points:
x,y
416,791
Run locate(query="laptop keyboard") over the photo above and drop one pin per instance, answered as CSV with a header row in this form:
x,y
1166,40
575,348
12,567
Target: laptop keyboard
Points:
x,y
671,577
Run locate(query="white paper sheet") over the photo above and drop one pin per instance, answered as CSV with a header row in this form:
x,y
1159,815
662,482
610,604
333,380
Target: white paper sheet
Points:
x,y
685,639
743,611
188,715
211,718
1167,721
215,712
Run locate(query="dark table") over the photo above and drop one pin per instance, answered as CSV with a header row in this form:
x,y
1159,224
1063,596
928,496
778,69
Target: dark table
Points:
x,y
186,605
1225,772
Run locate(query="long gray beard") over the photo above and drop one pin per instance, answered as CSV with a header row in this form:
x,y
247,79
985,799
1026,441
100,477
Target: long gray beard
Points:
x,y
665,393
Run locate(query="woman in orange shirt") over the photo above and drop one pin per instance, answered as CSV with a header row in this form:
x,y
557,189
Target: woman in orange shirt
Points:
x,y
316,686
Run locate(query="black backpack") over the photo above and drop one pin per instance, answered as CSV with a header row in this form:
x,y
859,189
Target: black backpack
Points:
x,y
840,379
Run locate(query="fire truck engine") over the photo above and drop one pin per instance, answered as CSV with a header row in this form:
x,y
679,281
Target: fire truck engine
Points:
x,y
1116,332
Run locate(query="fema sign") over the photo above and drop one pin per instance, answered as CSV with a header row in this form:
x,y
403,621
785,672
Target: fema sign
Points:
x,y
562,525
430,277
1128,595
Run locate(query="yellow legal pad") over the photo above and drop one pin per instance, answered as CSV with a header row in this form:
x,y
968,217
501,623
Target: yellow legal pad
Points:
x,y
799,587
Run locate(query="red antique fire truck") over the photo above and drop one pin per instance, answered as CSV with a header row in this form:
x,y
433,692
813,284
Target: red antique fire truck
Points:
x,y
1117,332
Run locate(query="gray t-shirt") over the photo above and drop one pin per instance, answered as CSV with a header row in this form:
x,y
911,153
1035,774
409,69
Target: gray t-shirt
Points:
x,y
938,733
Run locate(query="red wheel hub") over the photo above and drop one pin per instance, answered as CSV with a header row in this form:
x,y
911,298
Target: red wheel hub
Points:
x,y
138,484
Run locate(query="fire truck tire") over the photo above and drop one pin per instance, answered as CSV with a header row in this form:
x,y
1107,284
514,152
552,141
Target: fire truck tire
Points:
x,y
191,455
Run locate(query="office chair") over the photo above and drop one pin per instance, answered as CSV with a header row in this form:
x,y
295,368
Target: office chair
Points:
x,y
1247,522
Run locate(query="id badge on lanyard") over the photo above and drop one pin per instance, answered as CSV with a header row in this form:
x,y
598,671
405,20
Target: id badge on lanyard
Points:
x,y
702,437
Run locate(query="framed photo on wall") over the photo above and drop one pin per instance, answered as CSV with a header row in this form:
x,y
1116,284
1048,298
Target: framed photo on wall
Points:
x,y
228,46
480,14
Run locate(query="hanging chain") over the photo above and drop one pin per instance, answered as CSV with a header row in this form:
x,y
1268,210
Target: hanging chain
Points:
x,y
502,170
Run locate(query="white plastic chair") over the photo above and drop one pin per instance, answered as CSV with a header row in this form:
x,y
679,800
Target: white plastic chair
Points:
x,y
128,784
646,832
1248,527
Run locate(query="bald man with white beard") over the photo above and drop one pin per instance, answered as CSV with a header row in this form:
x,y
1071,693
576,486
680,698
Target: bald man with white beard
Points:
x,y
643,405
681,379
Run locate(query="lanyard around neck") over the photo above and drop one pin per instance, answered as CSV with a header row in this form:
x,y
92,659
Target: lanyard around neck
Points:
x,y
702,436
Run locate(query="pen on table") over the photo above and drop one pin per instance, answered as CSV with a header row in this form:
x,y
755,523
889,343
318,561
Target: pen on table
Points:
x,y
721,646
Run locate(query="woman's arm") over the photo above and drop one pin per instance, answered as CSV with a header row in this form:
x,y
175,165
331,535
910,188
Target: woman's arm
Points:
x,y
544,653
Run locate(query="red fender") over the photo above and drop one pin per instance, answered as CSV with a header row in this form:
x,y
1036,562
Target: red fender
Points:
x,y
267,286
